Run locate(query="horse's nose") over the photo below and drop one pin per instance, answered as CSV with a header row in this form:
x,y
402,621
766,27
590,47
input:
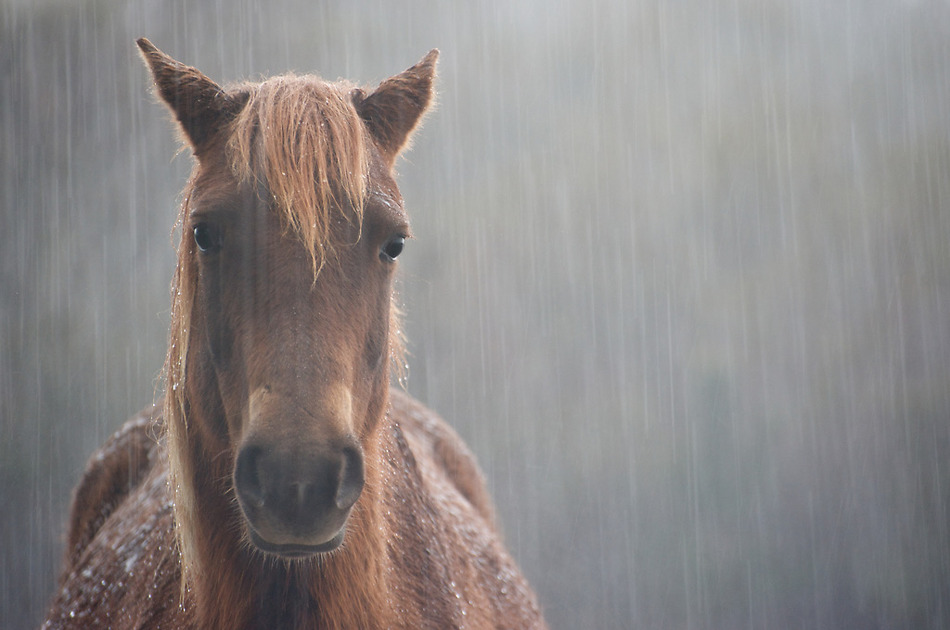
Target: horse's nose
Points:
x,y
295,497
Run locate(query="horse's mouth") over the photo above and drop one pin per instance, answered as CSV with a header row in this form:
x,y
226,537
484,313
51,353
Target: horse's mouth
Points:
x,y
293,551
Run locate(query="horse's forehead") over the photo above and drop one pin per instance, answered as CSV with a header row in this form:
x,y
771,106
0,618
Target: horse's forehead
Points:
x,y
382,189
386,199
215,188
381,186
218,192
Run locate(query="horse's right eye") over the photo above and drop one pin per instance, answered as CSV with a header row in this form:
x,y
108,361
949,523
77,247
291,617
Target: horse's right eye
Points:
x,y
206,237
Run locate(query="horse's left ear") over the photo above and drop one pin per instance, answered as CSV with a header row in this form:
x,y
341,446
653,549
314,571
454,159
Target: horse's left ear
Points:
x,y
200,106
393,110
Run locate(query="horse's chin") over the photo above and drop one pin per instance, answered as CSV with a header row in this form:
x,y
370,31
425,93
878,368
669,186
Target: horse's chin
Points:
x,y
295,551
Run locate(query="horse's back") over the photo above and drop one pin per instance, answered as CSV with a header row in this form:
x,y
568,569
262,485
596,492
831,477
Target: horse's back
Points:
x,y
121,568
112,472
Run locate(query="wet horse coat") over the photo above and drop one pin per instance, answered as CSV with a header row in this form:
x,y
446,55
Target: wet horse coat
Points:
x,y
282,484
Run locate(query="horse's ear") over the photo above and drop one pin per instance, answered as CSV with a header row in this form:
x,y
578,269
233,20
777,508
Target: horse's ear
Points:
x,y
200,106
393,110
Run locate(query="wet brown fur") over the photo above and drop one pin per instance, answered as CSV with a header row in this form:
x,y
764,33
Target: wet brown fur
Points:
x,y
155,535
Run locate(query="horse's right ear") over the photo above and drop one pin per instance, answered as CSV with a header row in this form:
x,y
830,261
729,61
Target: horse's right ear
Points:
x,y
200,106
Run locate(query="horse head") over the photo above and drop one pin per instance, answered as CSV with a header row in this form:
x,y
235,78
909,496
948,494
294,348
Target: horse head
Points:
x,y
283,318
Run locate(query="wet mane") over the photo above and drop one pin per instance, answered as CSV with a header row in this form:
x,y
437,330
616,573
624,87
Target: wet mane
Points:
x,y
300,139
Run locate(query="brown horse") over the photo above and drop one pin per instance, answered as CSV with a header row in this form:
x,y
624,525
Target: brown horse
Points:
x,y
289,486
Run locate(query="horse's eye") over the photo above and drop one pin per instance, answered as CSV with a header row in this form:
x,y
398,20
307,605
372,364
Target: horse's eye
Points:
x,y
206,237
392,248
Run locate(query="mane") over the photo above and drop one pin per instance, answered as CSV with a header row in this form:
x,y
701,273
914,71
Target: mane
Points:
x,y
300,141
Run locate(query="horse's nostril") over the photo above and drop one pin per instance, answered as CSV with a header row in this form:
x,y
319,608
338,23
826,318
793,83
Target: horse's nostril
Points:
x,y
351,478
247,476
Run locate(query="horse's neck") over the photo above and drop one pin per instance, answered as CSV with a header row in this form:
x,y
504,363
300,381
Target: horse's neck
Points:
x,y
233,586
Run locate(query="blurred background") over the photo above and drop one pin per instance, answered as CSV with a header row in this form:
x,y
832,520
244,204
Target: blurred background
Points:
x,y
681,279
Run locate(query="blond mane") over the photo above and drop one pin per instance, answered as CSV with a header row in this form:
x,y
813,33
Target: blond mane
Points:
x,y
301,139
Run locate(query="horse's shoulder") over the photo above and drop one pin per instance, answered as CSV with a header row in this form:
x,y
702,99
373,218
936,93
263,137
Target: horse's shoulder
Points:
x,y
111,474
432,440
121,567
449,538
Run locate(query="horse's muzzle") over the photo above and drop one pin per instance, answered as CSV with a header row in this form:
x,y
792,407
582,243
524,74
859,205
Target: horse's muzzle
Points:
x,y
296,501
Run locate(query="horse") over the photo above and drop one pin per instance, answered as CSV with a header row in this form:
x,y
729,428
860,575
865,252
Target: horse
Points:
x,y
284,480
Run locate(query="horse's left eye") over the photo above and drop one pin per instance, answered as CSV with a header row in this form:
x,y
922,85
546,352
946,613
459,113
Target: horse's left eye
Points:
x,y
392,248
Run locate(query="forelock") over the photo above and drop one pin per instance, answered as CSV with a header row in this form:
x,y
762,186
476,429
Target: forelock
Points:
x,y
300,140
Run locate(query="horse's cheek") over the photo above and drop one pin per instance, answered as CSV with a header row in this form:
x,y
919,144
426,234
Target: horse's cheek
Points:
x,y
213,318
221,343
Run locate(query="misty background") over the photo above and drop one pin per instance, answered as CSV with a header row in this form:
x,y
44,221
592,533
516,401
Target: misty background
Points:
x,y
681,278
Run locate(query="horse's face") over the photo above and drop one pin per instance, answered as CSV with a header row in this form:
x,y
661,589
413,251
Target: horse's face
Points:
x,y
300,362
284,369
